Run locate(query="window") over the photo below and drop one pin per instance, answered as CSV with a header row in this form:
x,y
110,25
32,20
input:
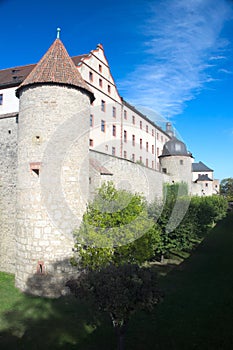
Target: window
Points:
x,y
103,125
133,140
140,124
140,143
125,114
103,105
153,149
157,151
40,268
162,138
101,83
1,99
206,185
147,146
153,132
146,128
113,151
133,157
133,119
100,68
125,154
181,162
90,76
157,135
106,148
91,143
140,159
164,170
147,162
35,168
153,164
109,89
114,112
125,136
91,120
114,130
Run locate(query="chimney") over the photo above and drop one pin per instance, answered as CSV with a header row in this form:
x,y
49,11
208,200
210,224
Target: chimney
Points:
x,y
169,130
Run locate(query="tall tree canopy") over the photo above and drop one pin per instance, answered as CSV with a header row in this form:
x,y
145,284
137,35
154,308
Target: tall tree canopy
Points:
x,y
226,188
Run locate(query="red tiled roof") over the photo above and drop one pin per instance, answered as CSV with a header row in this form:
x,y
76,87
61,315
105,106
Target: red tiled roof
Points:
x,y
99,167
56,66
16,75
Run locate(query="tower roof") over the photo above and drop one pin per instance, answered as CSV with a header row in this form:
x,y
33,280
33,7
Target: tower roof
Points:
x,y
56,67
175,147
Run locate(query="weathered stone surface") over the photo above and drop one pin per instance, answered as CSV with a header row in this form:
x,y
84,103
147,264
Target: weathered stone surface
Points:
x,y
51,201
8,176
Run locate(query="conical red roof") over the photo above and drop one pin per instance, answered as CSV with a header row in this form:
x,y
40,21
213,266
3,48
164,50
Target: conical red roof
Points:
x,y
57,67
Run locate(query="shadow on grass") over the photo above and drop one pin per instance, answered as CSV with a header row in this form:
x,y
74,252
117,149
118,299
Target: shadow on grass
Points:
x,y
197,312
35,323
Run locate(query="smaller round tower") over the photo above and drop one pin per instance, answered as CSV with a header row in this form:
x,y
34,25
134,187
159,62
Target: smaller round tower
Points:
x,y
176,161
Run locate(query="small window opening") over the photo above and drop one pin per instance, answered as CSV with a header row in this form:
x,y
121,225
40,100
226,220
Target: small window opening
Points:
x,y
164,170
36,171
9,131
40,267
35,168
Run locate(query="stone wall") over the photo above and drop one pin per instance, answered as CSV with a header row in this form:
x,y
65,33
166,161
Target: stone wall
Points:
x,y
179,169
128,175
52,191
8,176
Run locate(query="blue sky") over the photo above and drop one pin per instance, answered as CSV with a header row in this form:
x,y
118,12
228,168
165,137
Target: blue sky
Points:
x,y
171,58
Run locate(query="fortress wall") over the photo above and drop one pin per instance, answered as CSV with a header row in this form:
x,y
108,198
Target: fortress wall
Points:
x,y
8,170
128,175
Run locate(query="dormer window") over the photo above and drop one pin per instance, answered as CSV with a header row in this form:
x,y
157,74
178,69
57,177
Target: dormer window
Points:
x,y
178,147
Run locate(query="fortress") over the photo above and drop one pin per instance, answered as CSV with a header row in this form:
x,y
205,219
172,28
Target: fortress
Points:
x,y
64,130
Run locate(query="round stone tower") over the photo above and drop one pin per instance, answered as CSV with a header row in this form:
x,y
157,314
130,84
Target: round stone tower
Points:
x,y
52,189
177,162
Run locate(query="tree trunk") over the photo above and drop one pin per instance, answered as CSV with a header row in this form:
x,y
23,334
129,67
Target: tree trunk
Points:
x,y
120,331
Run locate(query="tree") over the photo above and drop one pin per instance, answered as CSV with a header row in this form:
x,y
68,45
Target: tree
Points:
x,y
226,188
120,291
201,214
161,214
115,228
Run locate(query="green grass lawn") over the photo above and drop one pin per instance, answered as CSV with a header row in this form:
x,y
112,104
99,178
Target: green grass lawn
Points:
x,y
197,311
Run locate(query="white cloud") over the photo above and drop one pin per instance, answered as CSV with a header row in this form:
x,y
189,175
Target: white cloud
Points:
x,y
182,47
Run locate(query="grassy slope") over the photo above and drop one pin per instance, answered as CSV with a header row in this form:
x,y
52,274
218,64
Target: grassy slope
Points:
x,y
197,312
